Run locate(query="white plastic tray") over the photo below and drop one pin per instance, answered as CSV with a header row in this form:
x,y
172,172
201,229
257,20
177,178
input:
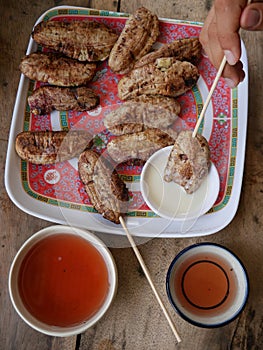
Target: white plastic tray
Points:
x,y
224,126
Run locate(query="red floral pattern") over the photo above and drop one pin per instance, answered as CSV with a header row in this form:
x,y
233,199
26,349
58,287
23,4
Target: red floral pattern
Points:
x,y
69,188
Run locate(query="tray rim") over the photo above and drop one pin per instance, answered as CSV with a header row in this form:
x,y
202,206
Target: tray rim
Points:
x,y
115,229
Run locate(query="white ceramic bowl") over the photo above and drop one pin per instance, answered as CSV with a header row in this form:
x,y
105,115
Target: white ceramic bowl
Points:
x,y
207,285
14,289
168,199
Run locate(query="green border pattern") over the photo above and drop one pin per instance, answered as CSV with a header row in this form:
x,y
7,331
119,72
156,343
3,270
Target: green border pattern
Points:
x,y
82,12
233,153
128,178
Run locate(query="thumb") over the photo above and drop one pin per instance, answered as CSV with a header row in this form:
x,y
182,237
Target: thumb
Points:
x,y
252,17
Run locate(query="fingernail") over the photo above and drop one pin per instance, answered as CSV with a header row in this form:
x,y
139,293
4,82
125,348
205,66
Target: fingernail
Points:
x,y
230,83
230,57
253,18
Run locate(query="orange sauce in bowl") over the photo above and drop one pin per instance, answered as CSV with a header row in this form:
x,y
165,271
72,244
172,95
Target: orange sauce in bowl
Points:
x,y
205,285
63,280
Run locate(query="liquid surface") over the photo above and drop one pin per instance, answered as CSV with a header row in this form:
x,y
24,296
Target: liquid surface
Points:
x,y
63,280
205,284
170,200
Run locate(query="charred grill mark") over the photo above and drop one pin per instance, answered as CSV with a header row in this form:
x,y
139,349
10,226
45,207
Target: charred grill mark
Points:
x,y
47,98
81,40
166,77
56,69
107,192
136,39
48,147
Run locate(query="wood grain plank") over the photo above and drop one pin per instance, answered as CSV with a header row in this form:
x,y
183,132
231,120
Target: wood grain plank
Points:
x,y
17,20
194,11
135,320
111,5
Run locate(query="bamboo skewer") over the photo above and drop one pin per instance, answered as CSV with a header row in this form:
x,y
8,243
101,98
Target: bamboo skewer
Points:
x,y
147,274
218,75
129,236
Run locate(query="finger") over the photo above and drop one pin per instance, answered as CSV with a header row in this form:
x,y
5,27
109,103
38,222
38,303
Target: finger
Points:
x,y
203,37
234,74
209,40
228,13
252,17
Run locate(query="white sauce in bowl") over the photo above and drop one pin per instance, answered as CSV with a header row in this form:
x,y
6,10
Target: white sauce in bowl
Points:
x,y
168,199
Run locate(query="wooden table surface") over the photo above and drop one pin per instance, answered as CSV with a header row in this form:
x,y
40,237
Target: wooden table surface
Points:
x,y
135,320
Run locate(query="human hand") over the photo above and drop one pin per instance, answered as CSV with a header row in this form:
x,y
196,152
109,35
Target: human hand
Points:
x,y
220,34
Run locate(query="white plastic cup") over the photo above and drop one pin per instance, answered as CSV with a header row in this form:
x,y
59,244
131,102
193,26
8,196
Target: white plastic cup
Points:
x,y
168,199
14,289
207,285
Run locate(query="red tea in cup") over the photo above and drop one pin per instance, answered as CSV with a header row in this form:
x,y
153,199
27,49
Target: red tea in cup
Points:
x,y
62,280
207,285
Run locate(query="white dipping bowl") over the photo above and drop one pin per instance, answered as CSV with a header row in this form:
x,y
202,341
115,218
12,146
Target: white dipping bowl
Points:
x,y
168,199
207,285
61,331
